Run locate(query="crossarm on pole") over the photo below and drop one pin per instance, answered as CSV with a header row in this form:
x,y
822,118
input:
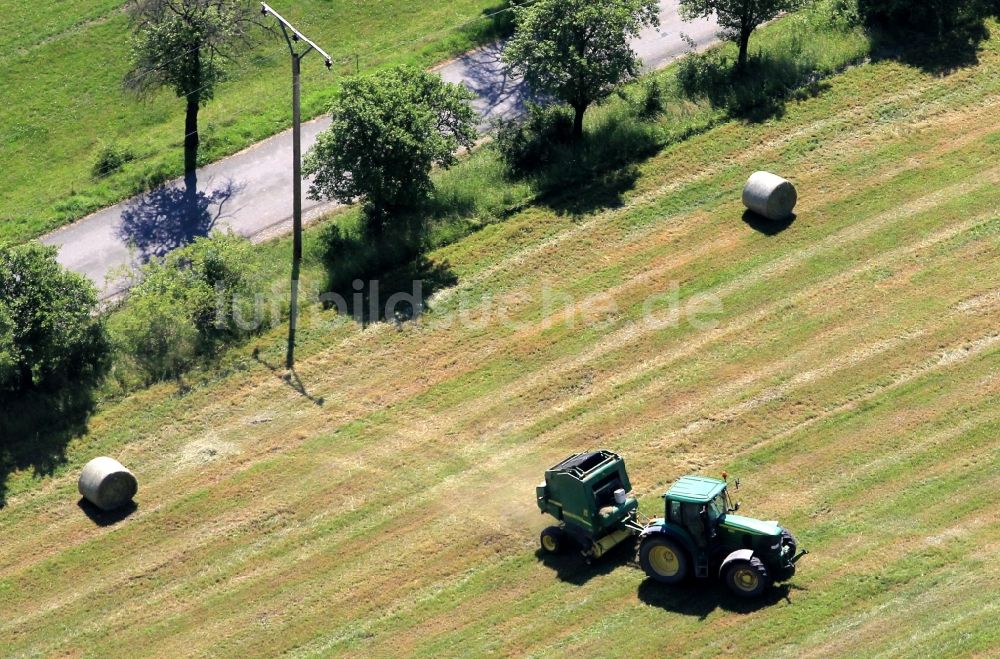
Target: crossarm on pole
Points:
x,y
296,35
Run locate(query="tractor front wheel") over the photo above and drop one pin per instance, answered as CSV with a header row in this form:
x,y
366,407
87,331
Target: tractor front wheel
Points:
x,y
663,560
747,578
553,540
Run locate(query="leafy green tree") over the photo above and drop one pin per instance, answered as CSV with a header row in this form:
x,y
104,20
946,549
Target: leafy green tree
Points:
x,y
183,45
48,333
389,130
578,50
738,18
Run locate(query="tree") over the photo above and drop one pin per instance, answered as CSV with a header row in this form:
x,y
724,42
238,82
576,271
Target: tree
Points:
x,y
578,50
738,18
388,132
182,45
48,332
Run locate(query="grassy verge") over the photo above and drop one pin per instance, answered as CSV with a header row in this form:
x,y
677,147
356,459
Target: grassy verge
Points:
x,y
62,71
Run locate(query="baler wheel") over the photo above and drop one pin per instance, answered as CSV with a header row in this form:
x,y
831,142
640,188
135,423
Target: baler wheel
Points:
x,y
553,540
663,560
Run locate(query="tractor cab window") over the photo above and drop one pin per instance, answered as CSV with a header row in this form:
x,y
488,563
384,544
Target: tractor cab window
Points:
x,y
675,512
717,507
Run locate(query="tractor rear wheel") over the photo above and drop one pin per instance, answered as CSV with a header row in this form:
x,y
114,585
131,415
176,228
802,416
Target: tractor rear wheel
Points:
x,y
553,540
747,578
663,560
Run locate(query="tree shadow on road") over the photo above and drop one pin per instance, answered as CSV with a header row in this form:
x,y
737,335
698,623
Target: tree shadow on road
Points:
x,y
499,94
160,221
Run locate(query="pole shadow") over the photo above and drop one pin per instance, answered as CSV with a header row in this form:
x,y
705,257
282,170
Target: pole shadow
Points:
x,y
290,378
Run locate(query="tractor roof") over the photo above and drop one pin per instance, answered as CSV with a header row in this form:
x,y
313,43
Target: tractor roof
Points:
x,y
695,489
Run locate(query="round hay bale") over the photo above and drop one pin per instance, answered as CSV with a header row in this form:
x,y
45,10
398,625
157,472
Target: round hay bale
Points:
x,y
770,196
105,483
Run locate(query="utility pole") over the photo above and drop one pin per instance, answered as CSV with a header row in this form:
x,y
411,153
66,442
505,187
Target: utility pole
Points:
x,y
293,36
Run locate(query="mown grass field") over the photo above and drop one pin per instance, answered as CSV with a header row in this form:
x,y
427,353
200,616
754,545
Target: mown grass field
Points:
x,y
61,71
852,381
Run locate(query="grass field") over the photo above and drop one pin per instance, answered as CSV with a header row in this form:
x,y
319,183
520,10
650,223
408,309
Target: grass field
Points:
x,y
384,504
61,73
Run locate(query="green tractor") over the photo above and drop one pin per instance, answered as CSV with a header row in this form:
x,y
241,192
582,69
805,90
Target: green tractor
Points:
x,y
699,534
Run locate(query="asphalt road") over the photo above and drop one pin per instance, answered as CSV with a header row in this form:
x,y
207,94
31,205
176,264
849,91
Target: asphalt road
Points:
x,y
250,192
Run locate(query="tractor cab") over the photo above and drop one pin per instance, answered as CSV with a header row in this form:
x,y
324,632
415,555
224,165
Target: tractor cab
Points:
x,y
697,504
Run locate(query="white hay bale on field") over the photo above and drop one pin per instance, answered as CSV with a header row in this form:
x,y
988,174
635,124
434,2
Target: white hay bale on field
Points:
x,y
770,196
105,483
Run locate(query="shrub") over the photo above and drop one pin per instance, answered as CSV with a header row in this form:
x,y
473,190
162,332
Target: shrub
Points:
x,y
157,335
652,100
48,333
110,159
189,305
530,144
